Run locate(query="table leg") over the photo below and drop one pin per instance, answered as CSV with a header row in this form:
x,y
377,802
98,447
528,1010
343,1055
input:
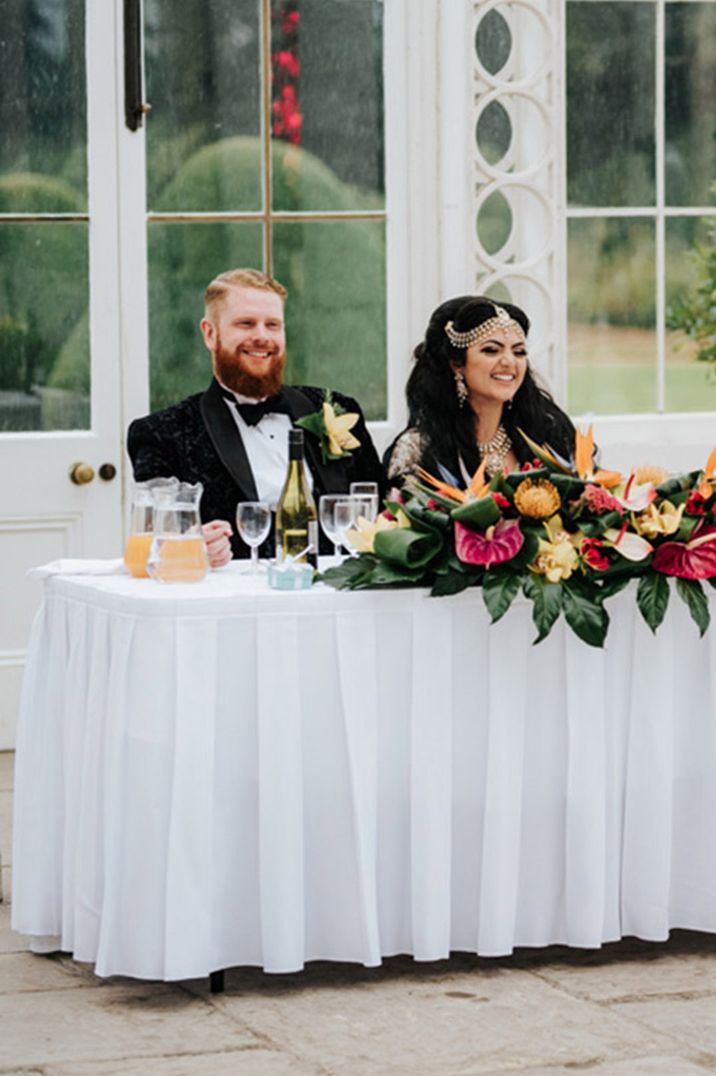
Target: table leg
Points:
x,y
216,982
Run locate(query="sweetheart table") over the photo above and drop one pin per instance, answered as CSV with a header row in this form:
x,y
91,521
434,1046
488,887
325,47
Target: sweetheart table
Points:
x,y
218,774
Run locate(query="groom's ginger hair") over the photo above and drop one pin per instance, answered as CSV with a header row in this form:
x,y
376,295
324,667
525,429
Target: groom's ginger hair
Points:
x,y
219,287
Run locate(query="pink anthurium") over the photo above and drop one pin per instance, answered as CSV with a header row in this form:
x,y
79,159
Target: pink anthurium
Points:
x,y
689,560
498,544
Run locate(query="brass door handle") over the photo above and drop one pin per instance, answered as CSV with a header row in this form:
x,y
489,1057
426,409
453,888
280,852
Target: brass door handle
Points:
x,y
81,473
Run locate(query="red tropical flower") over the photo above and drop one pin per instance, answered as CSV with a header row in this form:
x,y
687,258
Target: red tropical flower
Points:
x,y
498,544
695,559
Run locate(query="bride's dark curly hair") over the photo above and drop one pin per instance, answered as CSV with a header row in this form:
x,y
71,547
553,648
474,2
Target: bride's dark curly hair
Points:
x,y
432,401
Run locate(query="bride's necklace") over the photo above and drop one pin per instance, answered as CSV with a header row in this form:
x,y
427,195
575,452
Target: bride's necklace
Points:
x,y
495,451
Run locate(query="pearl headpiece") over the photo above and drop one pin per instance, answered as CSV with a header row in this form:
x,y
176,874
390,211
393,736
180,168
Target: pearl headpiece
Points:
x,y
501,321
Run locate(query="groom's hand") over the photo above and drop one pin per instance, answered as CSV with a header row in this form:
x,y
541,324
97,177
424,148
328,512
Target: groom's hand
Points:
x,y
217,535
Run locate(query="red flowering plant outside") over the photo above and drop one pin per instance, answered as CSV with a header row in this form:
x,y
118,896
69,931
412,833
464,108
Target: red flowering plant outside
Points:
x,y
563,532
286,116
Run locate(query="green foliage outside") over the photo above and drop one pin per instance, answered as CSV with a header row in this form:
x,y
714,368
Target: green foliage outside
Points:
x,y
694,312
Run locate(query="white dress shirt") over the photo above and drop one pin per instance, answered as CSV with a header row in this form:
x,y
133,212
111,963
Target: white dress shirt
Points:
x,y
266,446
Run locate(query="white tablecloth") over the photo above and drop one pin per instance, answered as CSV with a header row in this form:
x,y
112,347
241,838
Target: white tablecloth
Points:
x,y
217,774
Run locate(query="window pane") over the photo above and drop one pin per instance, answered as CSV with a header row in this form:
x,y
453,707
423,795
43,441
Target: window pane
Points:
x,y
610,90
44,345
327,104
690,385
690,158
335,313
43,149
611,306
183,258
203,82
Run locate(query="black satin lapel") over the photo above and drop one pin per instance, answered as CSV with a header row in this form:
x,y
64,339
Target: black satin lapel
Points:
x,y
330,477
227,441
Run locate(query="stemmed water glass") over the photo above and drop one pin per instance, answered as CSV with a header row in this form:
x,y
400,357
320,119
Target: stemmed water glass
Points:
x,y
367,492
253,522
344,517
327,515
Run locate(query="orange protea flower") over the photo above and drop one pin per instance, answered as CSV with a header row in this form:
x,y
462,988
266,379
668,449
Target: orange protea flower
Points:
x,y
537,498
648,472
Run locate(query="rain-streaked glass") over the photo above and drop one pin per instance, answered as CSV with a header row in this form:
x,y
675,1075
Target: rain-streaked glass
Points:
x,y
183,258
335,312
690,92
327,104
690,385
44,338
43,148
610,94
612,315
203,83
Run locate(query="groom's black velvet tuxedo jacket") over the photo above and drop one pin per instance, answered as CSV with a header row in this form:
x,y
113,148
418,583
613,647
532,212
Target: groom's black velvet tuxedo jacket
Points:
x,y
197,441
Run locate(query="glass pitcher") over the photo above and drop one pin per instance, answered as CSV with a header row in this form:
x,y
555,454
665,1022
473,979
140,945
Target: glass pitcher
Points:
x,y
141,524
178,551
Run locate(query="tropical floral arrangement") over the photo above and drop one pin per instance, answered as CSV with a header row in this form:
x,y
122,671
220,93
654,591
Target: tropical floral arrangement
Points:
x,y
567,535
332,425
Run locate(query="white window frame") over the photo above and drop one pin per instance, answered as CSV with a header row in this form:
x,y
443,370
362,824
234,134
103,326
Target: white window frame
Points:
x,y
676,440
427,197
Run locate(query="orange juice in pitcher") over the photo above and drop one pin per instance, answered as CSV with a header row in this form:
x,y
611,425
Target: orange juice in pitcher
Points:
x,y
136,553
178,551
141,527
180,559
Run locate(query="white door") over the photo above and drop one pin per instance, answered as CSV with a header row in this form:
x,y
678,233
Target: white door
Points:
x,y
59,337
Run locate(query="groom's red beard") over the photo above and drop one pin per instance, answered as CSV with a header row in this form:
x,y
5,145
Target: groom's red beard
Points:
x,y
229,369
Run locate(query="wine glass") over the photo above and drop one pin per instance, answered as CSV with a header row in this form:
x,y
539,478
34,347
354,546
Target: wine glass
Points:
x,y
327,516
344,516
366,489
365,505
253,522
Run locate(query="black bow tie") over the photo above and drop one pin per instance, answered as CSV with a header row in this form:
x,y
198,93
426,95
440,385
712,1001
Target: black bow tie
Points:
x,y
252,413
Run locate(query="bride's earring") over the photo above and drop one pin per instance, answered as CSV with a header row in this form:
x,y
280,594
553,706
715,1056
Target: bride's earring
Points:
x,y
460,387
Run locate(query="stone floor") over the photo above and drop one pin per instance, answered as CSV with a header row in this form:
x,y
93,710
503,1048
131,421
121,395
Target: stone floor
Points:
x,y
630,1008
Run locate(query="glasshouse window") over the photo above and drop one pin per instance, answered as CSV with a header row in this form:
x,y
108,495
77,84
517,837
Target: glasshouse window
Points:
x,y
44,346
641,165
265,147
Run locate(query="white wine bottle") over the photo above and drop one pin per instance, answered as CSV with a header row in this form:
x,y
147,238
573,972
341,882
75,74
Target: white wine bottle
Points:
x,y
296,520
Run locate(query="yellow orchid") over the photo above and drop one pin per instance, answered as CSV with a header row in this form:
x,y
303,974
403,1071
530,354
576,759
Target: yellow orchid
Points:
x,y
557,556
361,536
707,485
656,521
338,428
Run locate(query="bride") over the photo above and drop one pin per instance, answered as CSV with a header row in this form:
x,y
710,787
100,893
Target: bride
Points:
x,y
470,392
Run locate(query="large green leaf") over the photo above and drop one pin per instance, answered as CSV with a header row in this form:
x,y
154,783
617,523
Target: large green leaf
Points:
x,y
691,591
499,589
351,573
712,581
612,585
528,552
584,613
479,514
454,582
409,548
386,574
679,484
546,601
652,598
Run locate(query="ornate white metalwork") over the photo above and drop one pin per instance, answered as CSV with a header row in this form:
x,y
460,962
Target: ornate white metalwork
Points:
x,y
518,181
